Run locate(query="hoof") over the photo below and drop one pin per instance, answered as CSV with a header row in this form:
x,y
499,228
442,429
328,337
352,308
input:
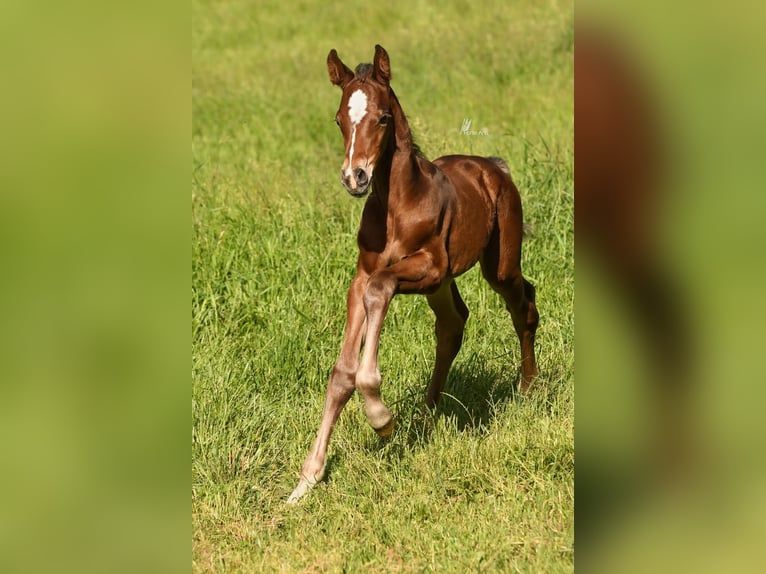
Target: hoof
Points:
x,y
387,429
303,488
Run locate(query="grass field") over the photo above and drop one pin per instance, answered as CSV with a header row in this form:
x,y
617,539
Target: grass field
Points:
x,y
485,484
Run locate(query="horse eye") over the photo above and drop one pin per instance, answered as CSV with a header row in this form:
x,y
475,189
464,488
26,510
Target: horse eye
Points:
x,y
337,122
383,120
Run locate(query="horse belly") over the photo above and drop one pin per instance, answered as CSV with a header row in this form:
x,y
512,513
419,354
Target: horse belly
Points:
x,y
476,183
470,232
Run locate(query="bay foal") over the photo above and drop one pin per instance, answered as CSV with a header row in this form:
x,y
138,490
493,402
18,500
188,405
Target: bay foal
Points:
x,y
424,224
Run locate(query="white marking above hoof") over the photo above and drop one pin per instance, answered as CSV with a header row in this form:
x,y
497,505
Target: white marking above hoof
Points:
x,y
303,488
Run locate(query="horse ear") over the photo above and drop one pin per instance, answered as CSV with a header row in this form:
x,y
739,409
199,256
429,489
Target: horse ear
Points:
x,y
340,74
381,65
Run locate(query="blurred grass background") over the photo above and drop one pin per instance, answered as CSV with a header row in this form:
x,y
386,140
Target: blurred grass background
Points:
x,y
94,245
699,67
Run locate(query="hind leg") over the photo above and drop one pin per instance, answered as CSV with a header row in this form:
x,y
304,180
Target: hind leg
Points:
x,y
519,297
523,309
451,315
501,267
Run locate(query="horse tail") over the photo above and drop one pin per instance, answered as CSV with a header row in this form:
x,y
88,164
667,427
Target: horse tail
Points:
x,y
499,162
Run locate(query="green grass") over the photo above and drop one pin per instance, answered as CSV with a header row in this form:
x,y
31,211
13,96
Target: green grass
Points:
x,y
487,482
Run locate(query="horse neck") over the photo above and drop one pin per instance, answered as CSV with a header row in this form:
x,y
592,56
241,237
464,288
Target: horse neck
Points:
x,y
398,168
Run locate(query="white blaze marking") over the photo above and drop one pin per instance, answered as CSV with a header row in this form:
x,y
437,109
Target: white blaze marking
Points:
x,y
357,109
357,106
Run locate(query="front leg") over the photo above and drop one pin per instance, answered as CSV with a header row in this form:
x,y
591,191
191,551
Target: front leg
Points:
x,y
417,273
339,389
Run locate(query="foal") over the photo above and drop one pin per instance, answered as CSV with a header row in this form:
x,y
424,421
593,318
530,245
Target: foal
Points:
x,y
424,224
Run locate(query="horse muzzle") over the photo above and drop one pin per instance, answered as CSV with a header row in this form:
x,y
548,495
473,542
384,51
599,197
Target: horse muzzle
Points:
x,y
357,183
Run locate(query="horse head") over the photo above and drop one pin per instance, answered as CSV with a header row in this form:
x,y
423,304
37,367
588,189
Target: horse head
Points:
x,y
364,117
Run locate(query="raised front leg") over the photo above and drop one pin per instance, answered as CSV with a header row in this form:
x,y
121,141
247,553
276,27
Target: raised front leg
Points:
x,y
416,273
339,389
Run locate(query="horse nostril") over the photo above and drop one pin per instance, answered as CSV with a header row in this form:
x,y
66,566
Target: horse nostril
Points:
x,y
360,175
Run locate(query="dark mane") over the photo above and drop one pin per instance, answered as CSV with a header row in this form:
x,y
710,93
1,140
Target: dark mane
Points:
x,y
363,72
416,148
